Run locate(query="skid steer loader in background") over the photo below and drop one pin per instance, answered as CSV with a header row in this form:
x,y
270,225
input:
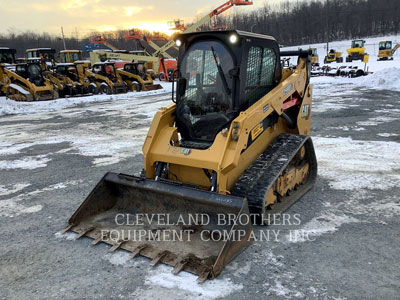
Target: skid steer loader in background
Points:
x,y
106,78
27,83
7,60
136,77
66,77
235,142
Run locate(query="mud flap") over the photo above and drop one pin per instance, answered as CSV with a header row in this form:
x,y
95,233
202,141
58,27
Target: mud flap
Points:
x,y
192,230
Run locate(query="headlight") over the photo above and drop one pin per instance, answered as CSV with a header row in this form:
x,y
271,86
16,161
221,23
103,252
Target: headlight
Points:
x,y
233,38
178,43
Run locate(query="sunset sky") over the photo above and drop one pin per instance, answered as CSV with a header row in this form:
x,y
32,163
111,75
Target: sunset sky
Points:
x,y
85,16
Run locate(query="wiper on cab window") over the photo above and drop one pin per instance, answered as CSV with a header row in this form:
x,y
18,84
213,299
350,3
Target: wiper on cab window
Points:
x,y
221,72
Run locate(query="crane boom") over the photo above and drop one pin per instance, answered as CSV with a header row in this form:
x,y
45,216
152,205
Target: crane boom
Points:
x,y
204,20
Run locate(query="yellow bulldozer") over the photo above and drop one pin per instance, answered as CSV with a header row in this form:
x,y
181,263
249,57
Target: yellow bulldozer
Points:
x,y
25,82
357,51
136,77
386,50
333,56
232,149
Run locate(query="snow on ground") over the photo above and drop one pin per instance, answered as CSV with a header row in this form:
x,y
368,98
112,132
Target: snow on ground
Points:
x,y
8,190
350,164
361,207
184,281
92,139
372,46
27,163
10,107
12,207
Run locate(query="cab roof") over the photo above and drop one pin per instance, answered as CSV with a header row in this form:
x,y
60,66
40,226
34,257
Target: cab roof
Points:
x,y
70,51
41,49
241,34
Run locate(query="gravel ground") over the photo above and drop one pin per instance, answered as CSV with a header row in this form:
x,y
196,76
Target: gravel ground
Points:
x,y
49,162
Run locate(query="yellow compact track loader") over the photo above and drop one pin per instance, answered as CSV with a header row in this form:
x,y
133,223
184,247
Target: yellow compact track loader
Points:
x,y
233,148
136,77
27,83
386,50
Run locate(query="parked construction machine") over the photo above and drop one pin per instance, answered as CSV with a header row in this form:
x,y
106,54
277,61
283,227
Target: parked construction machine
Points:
x,y
48,54
66,78
234,145
386,50
357,51
136,77
70,56
107,79
27,83
333,56
7,55
7,60
314,57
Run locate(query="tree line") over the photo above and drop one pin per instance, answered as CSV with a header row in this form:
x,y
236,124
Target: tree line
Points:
x,y
306,22
291,23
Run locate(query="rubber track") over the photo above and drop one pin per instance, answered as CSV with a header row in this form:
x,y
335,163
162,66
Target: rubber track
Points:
x,y
256,181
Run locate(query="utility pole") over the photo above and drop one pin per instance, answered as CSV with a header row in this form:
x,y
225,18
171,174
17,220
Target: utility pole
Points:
x,y
63,37
327,27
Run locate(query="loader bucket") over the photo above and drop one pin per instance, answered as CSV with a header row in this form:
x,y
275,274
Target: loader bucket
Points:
x,y
177,225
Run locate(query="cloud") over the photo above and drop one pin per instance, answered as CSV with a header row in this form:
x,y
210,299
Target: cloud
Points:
x,y
89,15
132,10
41,7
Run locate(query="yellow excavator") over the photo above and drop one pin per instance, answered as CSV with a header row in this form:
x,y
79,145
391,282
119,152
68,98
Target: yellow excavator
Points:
x,y
233,148
136,77
386,50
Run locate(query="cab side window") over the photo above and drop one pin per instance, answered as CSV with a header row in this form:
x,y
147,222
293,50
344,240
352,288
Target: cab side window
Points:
x,y
260,76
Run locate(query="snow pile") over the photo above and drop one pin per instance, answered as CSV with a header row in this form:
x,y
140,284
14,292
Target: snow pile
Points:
x,y
384,79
